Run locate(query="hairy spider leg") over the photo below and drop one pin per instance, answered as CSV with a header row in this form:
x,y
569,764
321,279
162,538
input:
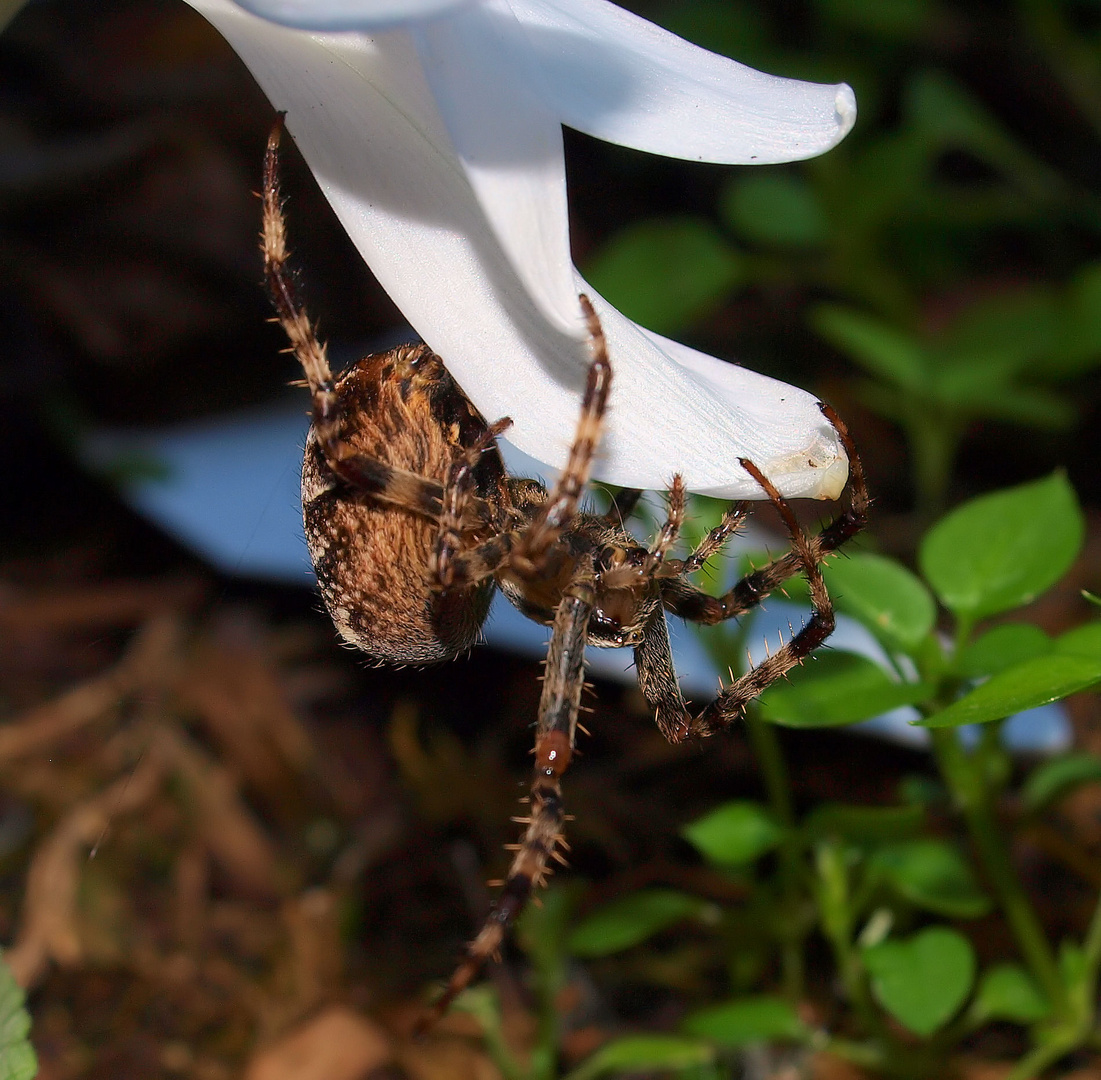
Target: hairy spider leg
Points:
x,y
561,505
653,658
556,728
459,488
684,599
525,549
712,543
730,704
384,482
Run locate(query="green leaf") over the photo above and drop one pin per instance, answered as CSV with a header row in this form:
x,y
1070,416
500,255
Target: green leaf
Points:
x,y
1002,648
863,824
923,980
1006,992
1081,641
953,118
775,208
1035,682
878,347
746,1020
644,1053
882,594
1004,333
630,920
932,874
1058,777
835,687
1002,550
17,1057
734,834
667,272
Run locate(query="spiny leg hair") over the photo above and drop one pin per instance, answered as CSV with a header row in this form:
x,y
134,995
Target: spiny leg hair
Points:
x,y
525,549
556,727
367,474
657,677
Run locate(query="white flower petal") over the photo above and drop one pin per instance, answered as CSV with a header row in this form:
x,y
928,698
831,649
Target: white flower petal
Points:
x,y
620,78
346,14
365,119
510,145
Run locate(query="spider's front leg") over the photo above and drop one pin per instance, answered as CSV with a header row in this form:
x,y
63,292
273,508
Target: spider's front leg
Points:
x,y
556,727
364,473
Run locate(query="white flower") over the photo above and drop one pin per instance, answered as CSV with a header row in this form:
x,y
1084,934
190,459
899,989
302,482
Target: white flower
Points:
x,y
438,142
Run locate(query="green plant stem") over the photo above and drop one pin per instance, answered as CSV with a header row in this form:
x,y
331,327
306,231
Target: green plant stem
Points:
x,y
969,789
770,757
1037,1060
934,444
835,903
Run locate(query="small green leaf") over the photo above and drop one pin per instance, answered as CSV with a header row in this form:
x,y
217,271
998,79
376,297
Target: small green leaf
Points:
x,y
1000,551
1058,777
863,824
1035,682
835,687
877,346
746,1020
734,834
922,981
1001,648
775,208
17,1057
631,920
1081,641
644,1053
932,874
666,272
1006,992
890,601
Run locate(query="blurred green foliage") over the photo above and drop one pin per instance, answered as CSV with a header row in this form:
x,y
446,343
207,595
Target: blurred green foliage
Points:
x,y
878,886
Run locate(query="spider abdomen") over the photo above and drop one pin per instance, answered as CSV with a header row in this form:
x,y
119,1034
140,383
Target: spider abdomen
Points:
x,y
373,558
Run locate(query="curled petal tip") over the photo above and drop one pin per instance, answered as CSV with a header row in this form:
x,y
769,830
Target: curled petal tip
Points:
x,y
819,471
845,103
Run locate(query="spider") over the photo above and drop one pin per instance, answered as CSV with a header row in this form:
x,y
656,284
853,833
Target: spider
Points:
x,y
412,521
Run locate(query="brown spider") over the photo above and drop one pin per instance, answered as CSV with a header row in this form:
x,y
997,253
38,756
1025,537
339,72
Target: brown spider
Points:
x,y
412,521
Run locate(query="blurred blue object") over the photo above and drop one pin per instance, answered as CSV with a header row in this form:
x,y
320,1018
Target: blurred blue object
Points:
x,y
229,489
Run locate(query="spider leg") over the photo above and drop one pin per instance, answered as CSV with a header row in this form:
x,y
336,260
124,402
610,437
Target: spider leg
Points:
x,y
674,519
556,728
683,598
456,501
561,505
657,679
525,549
362,472
731,702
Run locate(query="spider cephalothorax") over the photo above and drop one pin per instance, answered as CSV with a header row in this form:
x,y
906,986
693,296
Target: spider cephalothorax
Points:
x,y
412,521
